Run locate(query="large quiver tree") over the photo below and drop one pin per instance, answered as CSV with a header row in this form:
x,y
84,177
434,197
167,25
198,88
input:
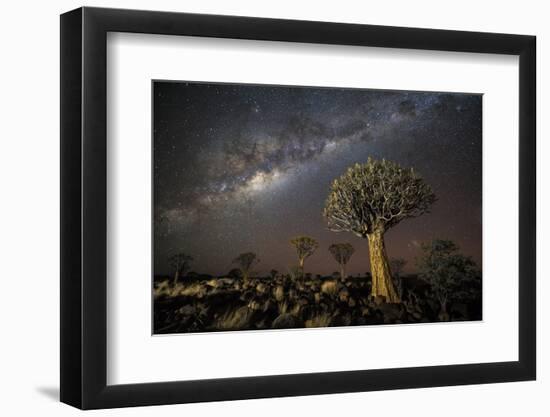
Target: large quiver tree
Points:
x,y
367,200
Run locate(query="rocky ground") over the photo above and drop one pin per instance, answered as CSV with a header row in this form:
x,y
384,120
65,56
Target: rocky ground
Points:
x,y
222,304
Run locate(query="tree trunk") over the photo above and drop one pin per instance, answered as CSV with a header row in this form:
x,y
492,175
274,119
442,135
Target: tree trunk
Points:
x,y
382,284
342,272
176,277
302,266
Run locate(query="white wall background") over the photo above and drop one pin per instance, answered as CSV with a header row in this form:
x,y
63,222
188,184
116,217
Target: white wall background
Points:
x,y
29,177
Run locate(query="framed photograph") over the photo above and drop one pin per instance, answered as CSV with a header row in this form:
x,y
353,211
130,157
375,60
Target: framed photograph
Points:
x,y
258,208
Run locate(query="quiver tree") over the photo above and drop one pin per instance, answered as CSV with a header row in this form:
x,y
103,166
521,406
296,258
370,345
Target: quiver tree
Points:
x,y
367,200
342,254
245,261
181,264
451,275
305,246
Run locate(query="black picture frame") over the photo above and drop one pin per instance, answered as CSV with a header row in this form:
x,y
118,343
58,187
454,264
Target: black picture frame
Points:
x,y
84,197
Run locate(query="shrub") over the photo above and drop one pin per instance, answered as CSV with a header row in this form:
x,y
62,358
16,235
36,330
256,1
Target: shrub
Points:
x,y
235,319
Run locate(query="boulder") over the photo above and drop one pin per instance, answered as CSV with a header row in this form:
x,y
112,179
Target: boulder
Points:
x,y
391,311
343,295
187,310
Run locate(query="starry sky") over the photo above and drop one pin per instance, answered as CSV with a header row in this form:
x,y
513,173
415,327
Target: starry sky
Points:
x,y
244,168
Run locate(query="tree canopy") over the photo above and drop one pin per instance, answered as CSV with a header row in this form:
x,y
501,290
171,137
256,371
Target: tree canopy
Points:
x,y
375,196
451,275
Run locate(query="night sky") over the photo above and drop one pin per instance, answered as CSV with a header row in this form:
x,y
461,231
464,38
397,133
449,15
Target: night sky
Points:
x,y
240,168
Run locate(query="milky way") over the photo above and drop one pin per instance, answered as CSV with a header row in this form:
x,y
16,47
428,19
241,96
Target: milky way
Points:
x,y
241,168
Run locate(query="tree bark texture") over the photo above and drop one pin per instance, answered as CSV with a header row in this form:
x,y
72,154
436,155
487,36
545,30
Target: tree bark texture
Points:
x,y
382,284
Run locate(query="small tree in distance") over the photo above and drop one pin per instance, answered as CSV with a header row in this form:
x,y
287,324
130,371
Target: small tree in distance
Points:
x,y
367,200
181,263
342,253
245,261
305,247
